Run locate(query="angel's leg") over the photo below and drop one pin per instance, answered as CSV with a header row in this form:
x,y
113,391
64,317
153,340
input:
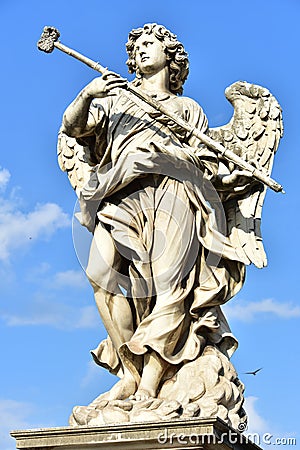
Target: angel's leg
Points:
x,y
173,254
154,368
114,309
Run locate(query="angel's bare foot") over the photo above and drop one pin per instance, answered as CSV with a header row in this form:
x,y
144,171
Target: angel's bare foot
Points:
x,y
142,394
120,391
154,367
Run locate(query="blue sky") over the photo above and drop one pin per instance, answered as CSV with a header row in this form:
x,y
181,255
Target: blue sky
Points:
x,y
48,321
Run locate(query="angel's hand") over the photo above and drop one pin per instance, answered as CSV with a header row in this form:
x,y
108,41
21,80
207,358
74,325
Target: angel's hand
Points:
x,y
103,86
235,179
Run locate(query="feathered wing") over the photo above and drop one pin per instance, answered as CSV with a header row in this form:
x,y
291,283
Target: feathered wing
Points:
x,y
253,133
77,159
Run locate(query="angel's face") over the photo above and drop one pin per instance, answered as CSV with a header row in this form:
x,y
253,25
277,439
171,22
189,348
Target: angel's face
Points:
x,y
150,54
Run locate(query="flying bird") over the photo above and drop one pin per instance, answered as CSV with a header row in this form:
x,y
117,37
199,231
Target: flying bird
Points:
x,y
254,372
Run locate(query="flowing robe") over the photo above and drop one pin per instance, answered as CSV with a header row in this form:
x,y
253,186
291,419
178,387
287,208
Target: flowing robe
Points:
x,y
152,190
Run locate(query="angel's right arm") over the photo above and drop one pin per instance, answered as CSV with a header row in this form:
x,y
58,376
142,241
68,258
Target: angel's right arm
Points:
x,y
77,121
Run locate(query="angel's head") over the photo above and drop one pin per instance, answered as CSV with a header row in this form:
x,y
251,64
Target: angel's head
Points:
x,y
174,55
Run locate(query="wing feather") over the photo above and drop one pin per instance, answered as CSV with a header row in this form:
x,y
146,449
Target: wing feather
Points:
x,y
253,133
75,159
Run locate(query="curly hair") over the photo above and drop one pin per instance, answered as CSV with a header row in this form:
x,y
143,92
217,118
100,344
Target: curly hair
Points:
x,y
176,55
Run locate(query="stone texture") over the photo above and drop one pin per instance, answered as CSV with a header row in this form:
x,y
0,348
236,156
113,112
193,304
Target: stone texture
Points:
x,y
217,392
175,211
206,434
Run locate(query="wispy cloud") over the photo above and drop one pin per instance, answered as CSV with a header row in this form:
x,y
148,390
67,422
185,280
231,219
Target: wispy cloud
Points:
x,y
57,315
43,276
13,415
4,178
256,423
18,227
261,431
247,312
70,278
91,375
97,378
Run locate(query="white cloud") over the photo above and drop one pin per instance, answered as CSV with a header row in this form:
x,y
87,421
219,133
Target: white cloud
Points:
x,y
58,315
256,423
88,318
18,228
4,178
70,278
96,377
38,273
16,415
261,431
13,416
43,276
91,375
247,312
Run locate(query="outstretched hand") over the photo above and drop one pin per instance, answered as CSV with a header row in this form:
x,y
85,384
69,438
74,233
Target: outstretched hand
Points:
x,y
103,86
237,178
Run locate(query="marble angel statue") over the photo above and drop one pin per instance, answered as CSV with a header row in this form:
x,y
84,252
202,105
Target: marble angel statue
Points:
x,y
174,226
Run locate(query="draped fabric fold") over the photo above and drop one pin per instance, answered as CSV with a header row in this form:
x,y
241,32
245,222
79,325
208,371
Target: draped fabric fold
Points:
x,y
153,191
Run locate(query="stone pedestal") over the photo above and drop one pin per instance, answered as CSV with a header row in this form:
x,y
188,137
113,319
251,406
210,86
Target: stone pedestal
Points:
x,y
206,434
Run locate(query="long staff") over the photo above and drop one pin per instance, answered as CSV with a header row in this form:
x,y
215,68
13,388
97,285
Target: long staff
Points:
x,y
49,40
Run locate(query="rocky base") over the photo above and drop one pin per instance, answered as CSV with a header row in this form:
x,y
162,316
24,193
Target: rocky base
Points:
x,y
204,388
